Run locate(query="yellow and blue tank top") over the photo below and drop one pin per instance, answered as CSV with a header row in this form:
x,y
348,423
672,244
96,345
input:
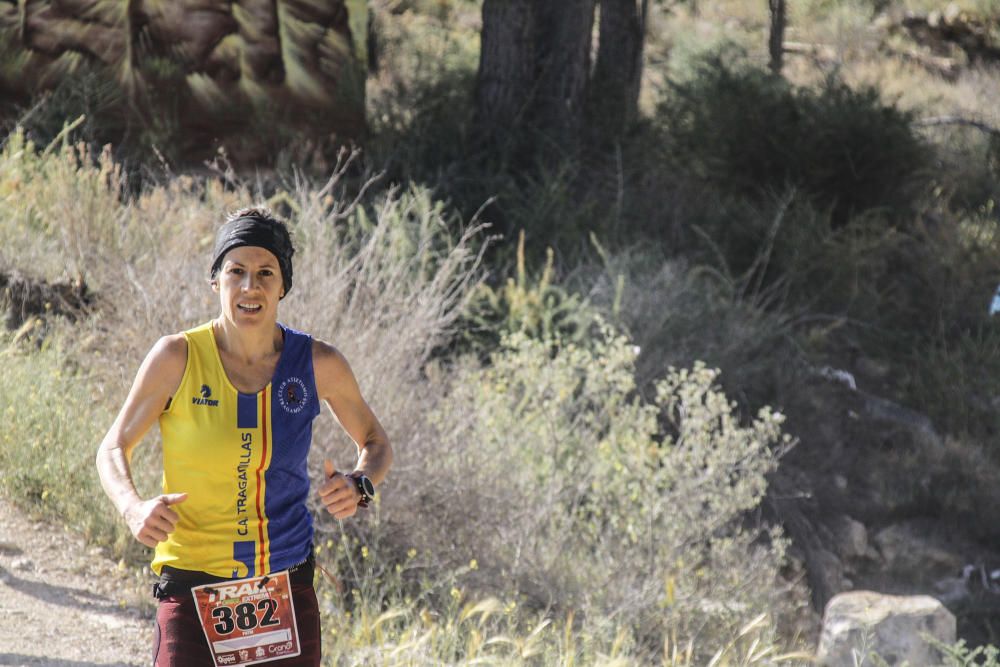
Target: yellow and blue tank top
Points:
x,y
241,458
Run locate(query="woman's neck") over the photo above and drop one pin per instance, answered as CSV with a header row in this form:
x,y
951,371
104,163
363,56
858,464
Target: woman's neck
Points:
x,y
248,344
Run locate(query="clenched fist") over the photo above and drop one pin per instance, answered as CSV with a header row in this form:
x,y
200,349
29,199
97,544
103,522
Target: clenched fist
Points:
x,y
152,520
339,493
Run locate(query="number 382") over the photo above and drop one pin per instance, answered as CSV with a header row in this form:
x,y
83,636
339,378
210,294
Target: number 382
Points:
x,y
244,616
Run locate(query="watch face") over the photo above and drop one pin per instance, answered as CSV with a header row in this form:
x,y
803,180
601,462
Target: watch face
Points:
x,y
367,487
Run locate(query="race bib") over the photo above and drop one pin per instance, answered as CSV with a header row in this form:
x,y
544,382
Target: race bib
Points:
x,y
249,620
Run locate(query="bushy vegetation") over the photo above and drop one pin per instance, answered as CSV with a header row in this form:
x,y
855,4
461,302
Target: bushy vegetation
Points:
x,y
961,655
750,133
565,460
536,307
569,497
825,207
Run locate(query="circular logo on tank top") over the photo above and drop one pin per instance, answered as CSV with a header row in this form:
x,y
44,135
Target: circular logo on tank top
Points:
x,y
292,395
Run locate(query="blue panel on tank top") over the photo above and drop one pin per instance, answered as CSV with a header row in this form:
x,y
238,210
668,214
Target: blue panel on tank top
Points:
x,y
294,405
245,552
246,410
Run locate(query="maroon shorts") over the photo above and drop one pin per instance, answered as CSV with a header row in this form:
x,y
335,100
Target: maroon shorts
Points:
x,y
179,640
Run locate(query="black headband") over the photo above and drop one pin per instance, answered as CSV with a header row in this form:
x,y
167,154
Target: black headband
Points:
x,y
258,232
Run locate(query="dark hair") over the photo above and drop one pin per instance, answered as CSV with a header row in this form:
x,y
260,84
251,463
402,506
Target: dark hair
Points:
x,y
262,213
255,226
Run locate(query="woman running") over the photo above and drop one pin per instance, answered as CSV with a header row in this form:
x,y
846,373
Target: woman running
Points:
x,y
235,399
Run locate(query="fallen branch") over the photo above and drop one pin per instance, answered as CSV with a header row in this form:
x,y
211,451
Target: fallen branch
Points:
x,y
948,68
821,52
938,121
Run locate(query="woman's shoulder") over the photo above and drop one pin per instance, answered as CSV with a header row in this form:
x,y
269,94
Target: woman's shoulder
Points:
x,y
326,353
331,368
169,353
174,347
172,343
163,368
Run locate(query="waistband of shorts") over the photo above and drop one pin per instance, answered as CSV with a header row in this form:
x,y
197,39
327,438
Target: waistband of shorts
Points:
x,y
180,582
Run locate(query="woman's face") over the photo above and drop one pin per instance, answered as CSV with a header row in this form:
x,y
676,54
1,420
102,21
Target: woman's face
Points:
x,y
249,286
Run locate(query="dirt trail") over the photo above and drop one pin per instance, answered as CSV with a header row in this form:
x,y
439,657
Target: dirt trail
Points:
x,y
64,603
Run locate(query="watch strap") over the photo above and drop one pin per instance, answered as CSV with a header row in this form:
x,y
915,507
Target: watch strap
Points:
x,y
365,487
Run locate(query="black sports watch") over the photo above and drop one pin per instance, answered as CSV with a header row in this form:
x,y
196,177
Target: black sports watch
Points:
x,y
365,488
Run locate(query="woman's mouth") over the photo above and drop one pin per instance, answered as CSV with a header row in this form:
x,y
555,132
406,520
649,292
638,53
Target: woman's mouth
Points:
x,y
249,307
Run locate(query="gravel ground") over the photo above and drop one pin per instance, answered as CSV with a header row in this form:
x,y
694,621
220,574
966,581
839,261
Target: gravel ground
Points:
x,y
64,603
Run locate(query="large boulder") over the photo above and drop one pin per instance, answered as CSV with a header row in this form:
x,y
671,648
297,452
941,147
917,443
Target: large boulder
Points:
x,y
858,623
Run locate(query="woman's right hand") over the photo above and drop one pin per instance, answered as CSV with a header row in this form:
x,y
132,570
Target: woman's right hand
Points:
x,y
152,520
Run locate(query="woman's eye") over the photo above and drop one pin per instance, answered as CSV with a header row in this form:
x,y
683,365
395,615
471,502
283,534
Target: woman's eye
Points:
x,y
236,270
267,272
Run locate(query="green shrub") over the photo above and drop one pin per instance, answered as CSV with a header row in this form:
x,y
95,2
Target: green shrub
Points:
x,y
969,168
749,133
539,308
572,491
960,655
676,311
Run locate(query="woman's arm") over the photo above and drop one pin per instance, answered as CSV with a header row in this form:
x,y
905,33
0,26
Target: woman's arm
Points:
x,y
337,385
158,378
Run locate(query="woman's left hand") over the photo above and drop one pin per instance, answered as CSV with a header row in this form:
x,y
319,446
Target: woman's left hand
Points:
x,y
339,493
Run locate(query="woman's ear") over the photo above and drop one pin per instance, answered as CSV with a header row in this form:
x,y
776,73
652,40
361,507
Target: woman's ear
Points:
x,y
215,285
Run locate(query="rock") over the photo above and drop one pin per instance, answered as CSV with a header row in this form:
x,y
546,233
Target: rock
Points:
x,y
22,564
826,575
968,591
851,536
952,14
952,591
858,623
920,552
9,549
873,368
916,425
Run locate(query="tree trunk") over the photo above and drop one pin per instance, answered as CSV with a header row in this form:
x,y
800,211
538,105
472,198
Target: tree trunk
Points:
x,y
614,90
563,51
776,38
506,65
534,67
